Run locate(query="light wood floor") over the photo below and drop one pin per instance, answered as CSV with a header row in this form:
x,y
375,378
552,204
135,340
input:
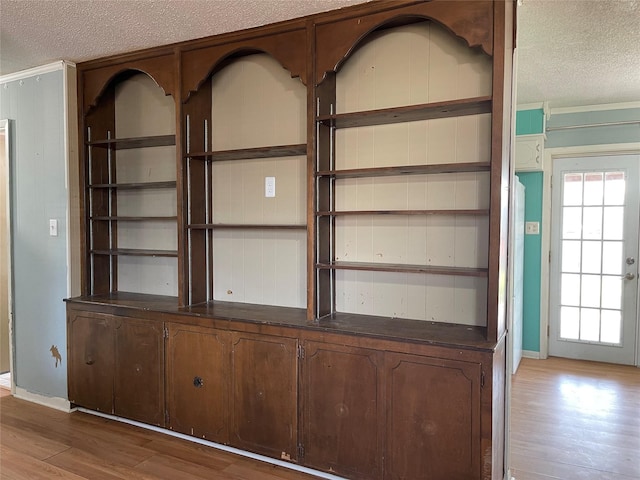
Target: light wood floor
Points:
x,y
570,420
41,443
575,420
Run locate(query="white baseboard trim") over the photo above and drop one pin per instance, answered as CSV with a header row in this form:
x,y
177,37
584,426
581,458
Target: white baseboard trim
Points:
x,y
531,354
255,456
51,402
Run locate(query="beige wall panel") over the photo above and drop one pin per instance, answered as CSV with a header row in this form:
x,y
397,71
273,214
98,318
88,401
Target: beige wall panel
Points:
x,y
260,266
418,63
420,240
256,103
238,191
447,140
142,109
152,235
147,203
155,164
153,275
419,297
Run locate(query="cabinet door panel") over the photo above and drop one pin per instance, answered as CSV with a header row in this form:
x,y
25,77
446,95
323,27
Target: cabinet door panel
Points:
x,y
264,403
341,388
198,381
91,361
139,382
433,418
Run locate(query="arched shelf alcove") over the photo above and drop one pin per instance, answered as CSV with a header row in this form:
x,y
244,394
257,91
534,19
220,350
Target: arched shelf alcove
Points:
x,y
96,81
409,102
247,126
287,45
130,196
470,20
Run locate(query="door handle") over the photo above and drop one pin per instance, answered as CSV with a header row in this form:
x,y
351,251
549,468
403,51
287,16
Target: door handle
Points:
x,y
629,276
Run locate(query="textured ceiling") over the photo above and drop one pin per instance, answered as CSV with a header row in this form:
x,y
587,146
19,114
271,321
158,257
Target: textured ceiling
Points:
x,y
578,52
36,32
571,52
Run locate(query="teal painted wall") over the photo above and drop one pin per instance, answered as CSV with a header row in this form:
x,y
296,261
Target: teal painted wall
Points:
x,y
532,182
531,122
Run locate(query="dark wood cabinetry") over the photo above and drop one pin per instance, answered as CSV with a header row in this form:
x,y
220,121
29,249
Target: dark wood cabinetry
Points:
x,y
343,409
116,365
91,343
438,414
264,402
197,366
139,371
354,323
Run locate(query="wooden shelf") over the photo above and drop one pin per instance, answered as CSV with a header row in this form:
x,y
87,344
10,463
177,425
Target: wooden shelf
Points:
x,y
470,167
136,252
250,153
135,142
411,113
403,212
397,267
136,186
244,226
133,219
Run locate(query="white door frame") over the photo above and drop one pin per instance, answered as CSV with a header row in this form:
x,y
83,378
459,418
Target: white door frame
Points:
x,y
5,125
550,154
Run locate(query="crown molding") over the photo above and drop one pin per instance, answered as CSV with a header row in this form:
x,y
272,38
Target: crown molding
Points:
x,y
32,72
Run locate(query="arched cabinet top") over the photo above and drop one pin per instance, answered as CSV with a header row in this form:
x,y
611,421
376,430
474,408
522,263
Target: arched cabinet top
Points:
x,y
289,48
471,20
96,81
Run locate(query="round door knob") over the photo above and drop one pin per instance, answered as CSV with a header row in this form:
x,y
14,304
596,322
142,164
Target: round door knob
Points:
x,y
629,276
198,382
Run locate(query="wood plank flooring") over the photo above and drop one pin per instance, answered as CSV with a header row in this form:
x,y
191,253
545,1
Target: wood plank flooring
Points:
x,y
570,420
41,443
575,420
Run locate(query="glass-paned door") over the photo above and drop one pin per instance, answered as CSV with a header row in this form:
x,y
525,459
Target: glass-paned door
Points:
x,y
594,258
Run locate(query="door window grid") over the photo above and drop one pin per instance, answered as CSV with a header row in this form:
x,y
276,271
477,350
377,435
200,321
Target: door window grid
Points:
x,y
591,289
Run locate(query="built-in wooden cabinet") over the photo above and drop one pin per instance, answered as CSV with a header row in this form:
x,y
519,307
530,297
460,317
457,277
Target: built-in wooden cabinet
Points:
x,y
442,424
116,365
355,321
264,404
343,409
91,341
197,366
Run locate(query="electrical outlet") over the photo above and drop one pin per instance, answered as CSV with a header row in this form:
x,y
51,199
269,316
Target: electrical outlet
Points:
x,y
532,228
269,187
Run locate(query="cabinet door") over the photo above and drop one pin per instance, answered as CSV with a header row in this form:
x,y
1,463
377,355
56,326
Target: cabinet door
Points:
x,y
198,381
139,375
91,361
433,418
342,409
264,402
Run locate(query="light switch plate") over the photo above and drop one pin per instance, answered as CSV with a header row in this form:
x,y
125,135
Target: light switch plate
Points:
x,y
53,227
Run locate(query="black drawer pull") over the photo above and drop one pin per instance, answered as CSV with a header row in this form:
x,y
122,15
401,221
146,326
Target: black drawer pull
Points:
x,y
198,382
